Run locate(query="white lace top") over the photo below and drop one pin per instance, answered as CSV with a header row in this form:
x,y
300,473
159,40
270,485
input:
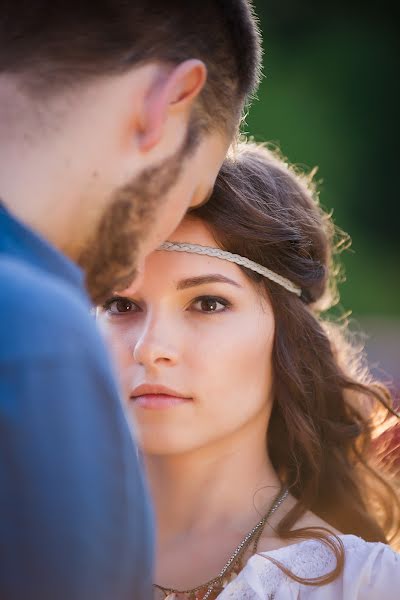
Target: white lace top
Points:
x,y
371,572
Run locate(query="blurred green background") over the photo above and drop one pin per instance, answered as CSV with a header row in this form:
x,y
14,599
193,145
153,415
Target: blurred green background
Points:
x,y
329,99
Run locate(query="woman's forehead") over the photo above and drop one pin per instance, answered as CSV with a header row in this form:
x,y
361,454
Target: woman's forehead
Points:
x,y
184,264
167,265
194,231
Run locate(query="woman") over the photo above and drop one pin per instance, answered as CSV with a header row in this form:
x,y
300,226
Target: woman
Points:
x,y
254,416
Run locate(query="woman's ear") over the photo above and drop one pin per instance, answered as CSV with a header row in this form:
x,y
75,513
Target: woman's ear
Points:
x,y
171,89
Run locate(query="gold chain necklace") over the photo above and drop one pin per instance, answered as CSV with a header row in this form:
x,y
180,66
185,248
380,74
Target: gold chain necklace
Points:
x,y
220,581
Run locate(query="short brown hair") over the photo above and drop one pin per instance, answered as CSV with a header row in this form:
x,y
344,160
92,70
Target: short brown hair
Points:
x,y
55,44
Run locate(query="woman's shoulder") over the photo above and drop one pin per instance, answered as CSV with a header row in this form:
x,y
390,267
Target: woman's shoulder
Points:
x,y
371,570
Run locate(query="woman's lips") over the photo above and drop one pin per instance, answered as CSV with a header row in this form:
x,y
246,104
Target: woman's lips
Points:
x,y
158,401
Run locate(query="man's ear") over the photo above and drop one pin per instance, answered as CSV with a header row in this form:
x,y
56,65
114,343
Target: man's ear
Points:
x,y
175,90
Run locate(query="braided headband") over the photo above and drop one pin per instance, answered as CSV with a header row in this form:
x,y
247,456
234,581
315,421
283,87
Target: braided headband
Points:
x,y
234,258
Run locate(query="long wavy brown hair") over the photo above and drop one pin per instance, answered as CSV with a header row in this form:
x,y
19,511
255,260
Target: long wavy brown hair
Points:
x,y
327,408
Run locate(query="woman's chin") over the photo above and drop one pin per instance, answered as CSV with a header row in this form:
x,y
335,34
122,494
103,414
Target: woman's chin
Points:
x,y
159,441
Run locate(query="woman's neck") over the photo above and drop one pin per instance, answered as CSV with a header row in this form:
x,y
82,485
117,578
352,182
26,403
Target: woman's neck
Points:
x,y
226,484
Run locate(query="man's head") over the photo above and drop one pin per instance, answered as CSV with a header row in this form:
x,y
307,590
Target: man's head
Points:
x,y
118,115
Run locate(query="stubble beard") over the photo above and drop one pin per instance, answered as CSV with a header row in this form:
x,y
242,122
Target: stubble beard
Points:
x,y
110,257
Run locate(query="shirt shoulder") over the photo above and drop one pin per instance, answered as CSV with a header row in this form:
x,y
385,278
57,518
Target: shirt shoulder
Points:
x,y
371,570
41,315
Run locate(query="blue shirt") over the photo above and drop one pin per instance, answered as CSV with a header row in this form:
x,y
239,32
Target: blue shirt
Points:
x,y
75,518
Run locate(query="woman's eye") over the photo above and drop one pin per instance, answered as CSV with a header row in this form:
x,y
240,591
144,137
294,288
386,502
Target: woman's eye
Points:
x,y
119,306
210,304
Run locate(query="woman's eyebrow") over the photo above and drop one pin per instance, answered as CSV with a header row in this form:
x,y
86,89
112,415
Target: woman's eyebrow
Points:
x,y
183,284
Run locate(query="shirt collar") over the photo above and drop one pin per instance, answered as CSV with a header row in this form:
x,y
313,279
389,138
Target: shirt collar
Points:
x,y
16,239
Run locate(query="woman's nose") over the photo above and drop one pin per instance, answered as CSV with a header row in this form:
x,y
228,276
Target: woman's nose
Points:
x,y
156,345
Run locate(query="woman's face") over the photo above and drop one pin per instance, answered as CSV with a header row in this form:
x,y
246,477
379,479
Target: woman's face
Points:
x,y
200,328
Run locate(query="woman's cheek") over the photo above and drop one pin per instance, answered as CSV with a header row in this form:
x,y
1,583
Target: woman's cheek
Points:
x,y
121,356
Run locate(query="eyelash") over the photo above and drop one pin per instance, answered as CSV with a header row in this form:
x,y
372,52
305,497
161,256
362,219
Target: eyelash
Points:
x,y
225,303
108,304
